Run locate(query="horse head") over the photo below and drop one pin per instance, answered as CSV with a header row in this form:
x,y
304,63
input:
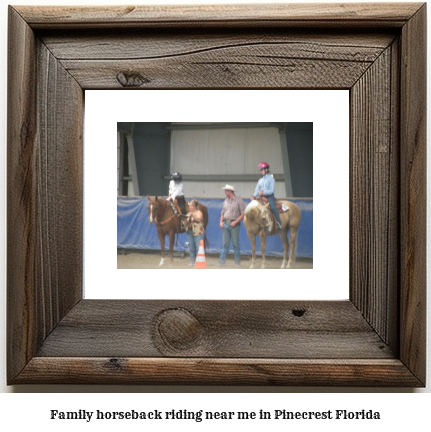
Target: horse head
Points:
x,y
264,216
153,208
260,214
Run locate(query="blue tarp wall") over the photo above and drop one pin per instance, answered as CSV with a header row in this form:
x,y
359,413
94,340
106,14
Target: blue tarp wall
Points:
x,y
135,232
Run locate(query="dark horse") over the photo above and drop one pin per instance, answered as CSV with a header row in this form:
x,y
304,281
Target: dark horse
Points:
x,y
167,223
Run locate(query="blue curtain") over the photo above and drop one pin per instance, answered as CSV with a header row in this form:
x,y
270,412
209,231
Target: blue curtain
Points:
x,y
135,232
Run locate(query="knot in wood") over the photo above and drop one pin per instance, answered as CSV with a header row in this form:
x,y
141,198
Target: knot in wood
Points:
x,y
298,312
178,328
131,79
115,363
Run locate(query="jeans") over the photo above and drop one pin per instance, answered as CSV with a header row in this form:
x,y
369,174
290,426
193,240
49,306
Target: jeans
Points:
x,y
194,242
229,234
273,206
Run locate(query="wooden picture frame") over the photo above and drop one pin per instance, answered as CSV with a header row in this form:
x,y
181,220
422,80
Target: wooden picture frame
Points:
x,y
376,338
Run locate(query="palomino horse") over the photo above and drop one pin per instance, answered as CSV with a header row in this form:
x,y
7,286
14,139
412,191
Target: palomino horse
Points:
x,y
166,221
258,221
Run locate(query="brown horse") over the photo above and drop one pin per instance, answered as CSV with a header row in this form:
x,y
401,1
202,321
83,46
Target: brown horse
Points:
x,y
166,221
258,221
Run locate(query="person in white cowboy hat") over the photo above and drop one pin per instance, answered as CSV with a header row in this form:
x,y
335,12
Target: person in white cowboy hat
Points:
x,y
230,221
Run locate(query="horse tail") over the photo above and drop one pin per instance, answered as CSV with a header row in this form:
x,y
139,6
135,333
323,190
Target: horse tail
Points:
x,y
204,211
296,243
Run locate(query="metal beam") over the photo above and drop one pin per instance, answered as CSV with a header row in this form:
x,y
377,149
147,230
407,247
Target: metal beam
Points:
x,y
286,164
225,177
125,127
197,126
121,162
132,161
119,173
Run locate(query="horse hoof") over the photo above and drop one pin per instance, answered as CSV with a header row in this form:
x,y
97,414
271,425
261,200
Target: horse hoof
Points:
x,y
263,266
284,265
252,266
162,262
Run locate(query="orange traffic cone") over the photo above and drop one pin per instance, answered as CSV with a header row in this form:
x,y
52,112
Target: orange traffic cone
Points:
x,y
200,259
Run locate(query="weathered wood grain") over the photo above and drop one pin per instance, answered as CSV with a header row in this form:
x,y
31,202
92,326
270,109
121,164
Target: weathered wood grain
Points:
x,y
393,223
225,60
374,194
300,15
21,194
329,372
239,329
413,194
228,72
247,66
59,180
45,106
139,45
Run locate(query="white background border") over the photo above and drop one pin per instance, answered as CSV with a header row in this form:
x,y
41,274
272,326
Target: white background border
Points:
x,y
329,112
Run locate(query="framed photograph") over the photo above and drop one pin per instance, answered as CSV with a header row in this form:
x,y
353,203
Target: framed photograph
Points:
x,y
376,337
204,157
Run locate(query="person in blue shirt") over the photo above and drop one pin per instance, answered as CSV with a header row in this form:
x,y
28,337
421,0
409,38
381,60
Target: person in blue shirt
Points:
x,y
265,187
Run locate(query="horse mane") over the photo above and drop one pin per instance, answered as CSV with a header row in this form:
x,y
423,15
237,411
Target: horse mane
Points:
x,y
250,209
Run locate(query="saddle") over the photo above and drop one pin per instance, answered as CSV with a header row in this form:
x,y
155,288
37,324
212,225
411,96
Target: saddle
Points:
x,y
182,220
280,207
177,207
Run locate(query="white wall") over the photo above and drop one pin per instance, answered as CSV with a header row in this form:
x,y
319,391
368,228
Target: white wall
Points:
x,y
225,151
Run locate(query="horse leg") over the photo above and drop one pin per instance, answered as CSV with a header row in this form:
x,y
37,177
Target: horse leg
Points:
x,y
171,245
283,237
263,247
292,250
162,246
252,238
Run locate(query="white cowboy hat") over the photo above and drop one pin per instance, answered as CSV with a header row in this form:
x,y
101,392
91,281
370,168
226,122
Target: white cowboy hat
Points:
x,y
229,187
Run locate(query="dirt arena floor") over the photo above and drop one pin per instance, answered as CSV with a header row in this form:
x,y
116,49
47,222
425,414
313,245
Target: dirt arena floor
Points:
x,y
151,260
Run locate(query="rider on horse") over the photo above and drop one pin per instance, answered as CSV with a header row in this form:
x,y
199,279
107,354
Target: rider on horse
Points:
x,y
265,187
176,191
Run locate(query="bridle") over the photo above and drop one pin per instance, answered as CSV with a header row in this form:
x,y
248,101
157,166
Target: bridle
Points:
x,y
162,222
262,225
